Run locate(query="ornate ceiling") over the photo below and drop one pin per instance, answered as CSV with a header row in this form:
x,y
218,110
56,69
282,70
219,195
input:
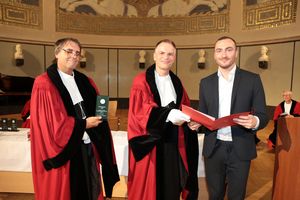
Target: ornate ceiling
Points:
x,y
148,17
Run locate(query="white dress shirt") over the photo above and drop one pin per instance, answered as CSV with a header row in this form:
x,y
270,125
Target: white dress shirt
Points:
x,y
69,82
165,88
287,108
225,93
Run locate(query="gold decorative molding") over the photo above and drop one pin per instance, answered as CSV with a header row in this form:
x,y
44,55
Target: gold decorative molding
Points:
x,y
21,14
210,22
270,14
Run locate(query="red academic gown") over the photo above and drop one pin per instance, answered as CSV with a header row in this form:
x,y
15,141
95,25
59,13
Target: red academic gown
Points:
x,y
295,111
56,136
146,119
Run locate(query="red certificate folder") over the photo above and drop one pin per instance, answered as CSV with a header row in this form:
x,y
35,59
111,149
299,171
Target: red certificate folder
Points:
x,y
210,122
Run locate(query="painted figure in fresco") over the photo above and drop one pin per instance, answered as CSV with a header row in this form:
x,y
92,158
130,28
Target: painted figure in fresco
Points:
x,y
253,2
185,7
103,7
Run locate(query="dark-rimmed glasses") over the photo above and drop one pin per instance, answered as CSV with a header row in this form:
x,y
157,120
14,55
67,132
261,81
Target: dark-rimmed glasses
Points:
x,y
71,52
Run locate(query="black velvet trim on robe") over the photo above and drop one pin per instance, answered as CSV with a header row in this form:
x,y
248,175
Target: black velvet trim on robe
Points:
x,y
69,150
159,114
292,108
100,135
142,145
156,124
76,137
101,138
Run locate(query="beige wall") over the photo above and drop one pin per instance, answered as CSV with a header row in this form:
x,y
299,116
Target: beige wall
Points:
x,y
112,73
128,68
188,70
296,79
32,65
279,73
114,69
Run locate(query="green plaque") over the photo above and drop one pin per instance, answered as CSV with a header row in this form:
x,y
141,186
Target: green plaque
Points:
x,y
102,106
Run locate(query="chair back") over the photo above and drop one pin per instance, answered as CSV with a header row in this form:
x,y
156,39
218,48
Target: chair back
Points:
x,y
112,108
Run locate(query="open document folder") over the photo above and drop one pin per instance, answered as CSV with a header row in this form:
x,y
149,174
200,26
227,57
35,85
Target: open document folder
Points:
x,y
210,122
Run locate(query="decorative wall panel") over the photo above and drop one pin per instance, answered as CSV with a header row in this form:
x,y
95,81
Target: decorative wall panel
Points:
x,y
25,13
269,13
142,17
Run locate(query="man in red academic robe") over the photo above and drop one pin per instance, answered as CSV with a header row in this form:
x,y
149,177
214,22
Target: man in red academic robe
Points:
x,y
67,141
163,150
287,108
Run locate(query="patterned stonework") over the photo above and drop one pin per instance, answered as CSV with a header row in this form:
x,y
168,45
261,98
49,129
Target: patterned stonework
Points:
x,y
142,17
21,14
269,14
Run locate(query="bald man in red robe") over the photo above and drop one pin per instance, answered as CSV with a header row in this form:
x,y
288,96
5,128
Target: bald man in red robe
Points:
x,y
163,148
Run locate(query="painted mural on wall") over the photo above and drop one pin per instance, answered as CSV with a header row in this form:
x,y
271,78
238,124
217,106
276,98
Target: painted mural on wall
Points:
x,y
142,17
25,13
259,14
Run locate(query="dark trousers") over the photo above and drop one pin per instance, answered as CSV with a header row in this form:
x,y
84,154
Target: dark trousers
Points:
x,y
171,174
84,176
225,170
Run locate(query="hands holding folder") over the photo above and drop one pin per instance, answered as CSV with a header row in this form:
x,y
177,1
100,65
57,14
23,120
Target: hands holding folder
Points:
x,y
210,122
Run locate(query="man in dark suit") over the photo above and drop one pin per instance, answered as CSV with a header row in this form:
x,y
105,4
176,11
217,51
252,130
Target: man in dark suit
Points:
x,y
228,151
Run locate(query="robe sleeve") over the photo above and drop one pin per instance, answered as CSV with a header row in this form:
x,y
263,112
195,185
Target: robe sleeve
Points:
x,y
277,112
26,110
296,112
140,107
145,119
54,134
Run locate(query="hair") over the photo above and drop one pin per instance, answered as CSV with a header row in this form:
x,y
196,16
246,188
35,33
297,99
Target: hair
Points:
x,y
59,44
288,92
166,41
225,38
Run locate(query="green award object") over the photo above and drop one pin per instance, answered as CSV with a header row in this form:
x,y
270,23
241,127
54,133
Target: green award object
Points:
x,y
102,106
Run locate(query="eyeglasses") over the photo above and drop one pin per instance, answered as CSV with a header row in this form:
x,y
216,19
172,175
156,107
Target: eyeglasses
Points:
x,y
71,52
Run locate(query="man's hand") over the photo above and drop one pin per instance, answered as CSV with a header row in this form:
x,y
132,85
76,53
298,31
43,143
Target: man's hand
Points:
x,y
193,125
248,121
92,122
177,117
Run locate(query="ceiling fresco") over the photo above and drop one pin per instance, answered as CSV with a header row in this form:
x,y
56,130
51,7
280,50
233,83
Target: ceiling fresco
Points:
x,y
25,13
148,17
142,17
260,14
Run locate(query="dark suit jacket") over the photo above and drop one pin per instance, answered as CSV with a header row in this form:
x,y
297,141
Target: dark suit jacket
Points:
x,y
247,95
